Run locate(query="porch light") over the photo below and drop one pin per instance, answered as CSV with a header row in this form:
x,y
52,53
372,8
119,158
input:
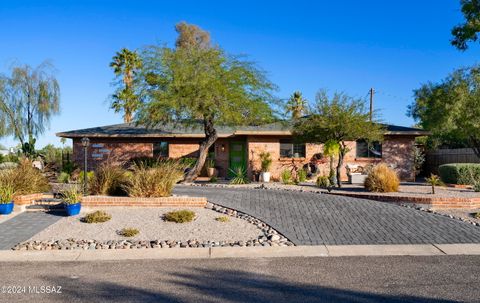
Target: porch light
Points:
x,y
222,147
85,144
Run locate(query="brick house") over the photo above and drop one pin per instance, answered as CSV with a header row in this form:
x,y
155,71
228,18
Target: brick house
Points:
x,y
237,146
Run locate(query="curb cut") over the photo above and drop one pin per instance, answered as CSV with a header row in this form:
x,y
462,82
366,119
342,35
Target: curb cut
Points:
x,y
241,252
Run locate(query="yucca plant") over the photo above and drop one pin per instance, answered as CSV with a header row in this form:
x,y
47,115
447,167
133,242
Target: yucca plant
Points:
x,y
434,180
72,195
239,175
6,193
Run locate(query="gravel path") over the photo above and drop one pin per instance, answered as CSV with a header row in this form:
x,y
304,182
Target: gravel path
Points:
x,y
149,222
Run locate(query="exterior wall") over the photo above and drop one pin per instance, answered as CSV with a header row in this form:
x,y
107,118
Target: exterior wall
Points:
x,y
396,151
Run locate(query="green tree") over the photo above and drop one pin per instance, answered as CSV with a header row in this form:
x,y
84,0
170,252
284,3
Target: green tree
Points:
x,y
450,109
192,85
125,65
296,105
28,100
468,31
339,119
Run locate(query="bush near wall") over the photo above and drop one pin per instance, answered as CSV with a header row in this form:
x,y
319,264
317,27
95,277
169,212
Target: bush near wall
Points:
x,y
459,173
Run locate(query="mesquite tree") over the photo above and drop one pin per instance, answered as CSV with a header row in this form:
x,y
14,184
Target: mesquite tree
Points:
x,y
194,85
338,119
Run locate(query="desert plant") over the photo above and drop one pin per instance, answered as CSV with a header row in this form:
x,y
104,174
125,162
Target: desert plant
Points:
x,y
382,179
98,216
266,161
459,173
25,179
222,219
286,176
128,232
213,179
301,175
6,193
323,181
210,163
418,159
63,177
72,195
109,180
434,180
179,216
239,175
155,181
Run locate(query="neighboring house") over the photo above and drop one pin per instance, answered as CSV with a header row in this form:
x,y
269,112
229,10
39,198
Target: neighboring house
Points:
x,y
237,146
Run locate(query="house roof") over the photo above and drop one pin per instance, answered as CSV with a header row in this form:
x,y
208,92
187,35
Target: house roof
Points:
x,y
131,130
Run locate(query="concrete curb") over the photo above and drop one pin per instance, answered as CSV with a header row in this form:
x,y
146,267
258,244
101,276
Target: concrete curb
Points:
x,y
241,252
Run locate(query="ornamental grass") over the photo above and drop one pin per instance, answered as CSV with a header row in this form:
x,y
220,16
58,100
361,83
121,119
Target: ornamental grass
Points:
x,y
382,179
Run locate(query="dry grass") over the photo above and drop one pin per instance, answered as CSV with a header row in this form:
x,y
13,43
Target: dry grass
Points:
x,y
128,232
24,179
180,216
98,216
156,181
382,179
223,219
109,180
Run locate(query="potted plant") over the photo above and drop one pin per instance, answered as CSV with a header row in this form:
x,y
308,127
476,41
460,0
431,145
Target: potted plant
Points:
x,y
6,199
71,200
211,171
266,163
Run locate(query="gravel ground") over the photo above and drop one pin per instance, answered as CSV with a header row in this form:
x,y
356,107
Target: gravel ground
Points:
x,y
461,213
149,222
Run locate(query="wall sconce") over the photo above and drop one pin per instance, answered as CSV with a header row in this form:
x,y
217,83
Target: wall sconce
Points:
x,y
222,148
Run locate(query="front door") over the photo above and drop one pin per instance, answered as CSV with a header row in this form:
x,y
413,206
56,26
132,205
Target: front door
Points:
x,y
237,157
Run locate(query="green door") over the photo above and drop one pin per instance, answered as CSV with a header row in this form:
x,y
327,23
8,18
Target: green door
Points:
x,y
237,157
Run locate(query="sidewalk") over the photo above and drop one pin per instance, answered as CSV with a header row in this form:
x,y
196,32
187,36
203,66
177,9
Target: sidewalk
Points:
x,y
243,252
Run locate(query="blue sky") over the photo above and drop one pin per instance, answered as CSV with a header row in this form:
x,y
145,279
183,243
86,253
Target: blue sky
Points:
x,y
349,46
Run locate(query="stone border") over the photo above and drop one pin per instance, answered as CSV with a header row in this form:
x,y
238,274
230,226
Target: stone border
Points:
x,y
429,210
270,237
172,201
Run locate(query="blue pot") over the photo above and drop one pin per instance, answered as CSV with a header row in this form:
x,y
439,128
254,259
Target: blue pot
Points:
x,y
73,209
6,208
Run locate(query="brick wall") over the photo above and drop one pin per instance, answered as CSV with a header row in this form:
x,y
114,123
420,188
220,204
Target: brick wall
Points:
x,y
97,201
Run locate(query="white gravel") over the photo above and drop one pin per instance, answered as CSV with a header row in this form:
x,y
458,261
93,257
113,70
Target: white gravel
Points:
x,y
151,226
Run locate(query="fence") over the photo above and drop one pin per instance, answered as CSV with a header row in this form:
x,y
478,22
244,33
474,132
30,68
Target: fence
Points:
x,y
438,157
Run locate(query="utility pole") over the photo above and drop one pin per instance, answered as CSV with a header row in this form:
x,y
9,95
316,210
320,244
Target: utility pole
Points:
x,y
372,91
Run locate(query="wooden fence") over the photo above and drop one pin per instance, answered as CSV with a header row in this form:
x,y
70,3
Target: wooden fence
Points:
x,y
442,156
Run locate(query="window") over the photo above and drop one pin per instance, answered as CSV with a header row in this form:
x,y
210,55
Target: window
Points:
x,y
288,149
369,150
160,149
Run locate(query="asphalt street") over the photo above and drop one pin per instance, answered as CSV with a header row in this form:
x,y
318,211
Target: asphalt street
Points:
x,y
319,279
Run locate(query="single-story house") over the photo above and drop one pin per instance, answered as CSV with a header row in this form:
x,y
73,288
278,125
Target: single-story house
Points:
x,y
237,146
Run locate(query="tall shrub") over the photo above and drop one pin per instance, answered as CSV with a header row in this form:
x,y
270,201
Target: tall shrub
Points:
x,y
24,179
109,179
382,179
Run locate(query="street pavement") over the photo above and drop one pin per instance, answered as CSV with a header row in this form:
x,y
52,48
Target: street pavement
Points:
x,y
314,279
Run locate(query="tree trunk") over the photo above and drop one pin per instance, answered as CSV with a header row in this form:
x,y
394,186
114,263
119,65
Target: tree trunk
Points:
x,y
341,155
210,138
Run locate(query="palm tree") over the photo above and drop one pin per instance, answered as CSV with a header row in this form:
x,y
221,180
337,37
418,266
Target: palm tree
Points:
x,y
125,64
296,105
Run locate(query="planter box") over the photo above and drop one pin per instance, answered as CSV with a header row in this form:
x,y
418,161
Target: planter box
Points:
x,y
173,201
28,199
356,178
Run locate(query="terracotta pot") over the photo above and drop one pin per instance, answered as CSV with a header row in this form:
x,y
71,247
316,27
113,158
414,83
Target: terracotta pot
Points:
x,y
211,171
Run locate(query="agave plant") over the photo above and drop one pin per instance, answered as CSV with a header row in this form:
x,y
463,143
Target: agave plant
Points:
x,y
239,175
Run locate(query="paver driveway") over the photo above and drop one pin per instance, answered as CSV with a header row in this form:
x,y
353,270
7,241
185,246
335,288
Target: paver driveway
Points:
x,y
312,219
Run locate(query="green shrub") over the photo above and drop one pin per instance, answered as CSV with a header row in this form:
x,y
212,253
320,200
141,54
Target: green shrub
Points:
x,y
301,175
63,177
222,219
6,193
68,167
239,175
213,179
24,179
90,176
155,181
266,161
98,216
459,173
323,181
382,179
109,180
128,232
476,186
210,163
72,195
188,162
286,176
180,216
